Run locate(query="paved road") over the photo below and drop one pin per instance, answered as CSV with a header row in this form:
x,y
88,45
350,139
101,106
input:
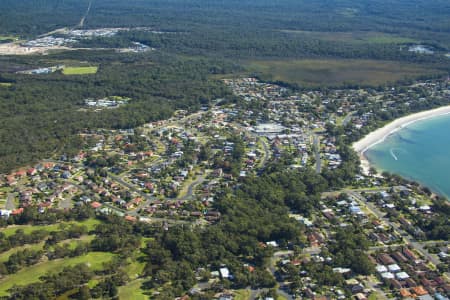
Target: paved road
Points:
x,y
190,192
408,238
395,246
272,269
347,118
10,204
266,156
148,199
255,293
312,250
373,285
66,203
266,149
316,145
155,220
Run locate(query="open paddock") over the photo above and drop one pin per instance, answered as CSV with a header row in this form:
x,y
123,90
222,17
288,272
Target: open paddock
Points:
x,y
337,72
79,70
370,37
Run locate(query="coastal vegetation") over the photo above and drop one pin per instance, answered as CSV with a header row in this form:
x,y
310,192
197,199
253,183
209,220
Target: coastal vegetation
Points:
x,y
333,72
178,192
355,36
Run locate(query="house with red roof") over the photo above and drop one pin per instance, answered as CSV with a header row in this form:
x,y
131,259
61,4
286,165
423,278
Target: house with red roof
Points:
x,y
96,204
131,218
21,173
31,171
17,211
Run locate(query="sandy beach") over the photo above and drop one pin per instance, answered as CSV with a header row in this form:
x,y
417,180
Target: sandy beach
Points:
x,y
380,134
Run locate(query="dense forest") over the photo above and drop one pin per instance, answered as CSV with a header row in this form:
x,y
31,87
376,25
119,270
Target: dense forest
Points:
x,y
42,114
244,28
28,18
417,18
194,39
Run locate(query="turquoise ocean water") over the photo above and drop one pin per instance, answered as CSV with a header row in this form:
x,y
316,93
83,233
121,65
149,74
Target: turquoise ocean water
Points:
x,y
419,151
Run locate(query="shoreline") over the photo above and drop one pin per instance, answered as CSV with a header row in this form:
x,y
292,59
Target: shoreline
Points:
x,y
380,134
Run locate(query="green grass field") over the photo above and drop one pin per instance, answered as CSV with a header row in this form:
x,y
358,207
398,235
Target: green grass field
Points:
x,y
10,230
5,84
330,72
32,274
135,268
242,295
4,38
132,291
354,37
73,243
5,255
79,70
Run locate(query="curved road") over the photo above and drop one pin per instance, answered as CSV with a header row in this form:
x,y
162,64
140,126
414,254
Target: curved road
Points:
x,y
190,192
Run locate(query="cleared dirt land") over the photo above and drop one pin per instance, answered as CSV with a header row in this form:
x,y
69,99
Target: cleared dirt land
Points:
x,y
17,49
329,72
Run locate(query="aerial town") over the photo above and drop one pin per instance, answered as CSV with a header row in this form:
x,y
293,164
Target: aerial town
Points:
x,y
224,150
171,171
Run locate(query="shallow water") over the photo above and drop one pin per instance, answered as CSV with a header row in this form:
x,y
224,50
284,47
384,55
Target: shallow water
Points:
x,y
420,151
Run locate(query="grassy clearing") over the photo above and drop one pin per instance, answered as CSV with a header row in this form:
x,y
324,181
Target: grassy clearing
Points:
x,y
73,243
31,274
354,37
242,295
132,291
374,296
7,38
5,84
10,230
135,268
5,255
92,283
331,72
79,70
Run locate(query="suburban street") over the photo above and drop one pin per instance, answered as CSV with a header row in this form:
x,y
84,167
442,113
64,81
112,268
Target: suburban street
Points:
x,y
10,205
407,237
275,258
191,187
316,147
347,119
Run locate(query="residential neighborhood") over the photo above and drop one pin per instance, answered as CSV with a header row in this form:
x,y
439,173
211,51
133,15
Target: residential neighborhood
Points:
x,y
170,172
